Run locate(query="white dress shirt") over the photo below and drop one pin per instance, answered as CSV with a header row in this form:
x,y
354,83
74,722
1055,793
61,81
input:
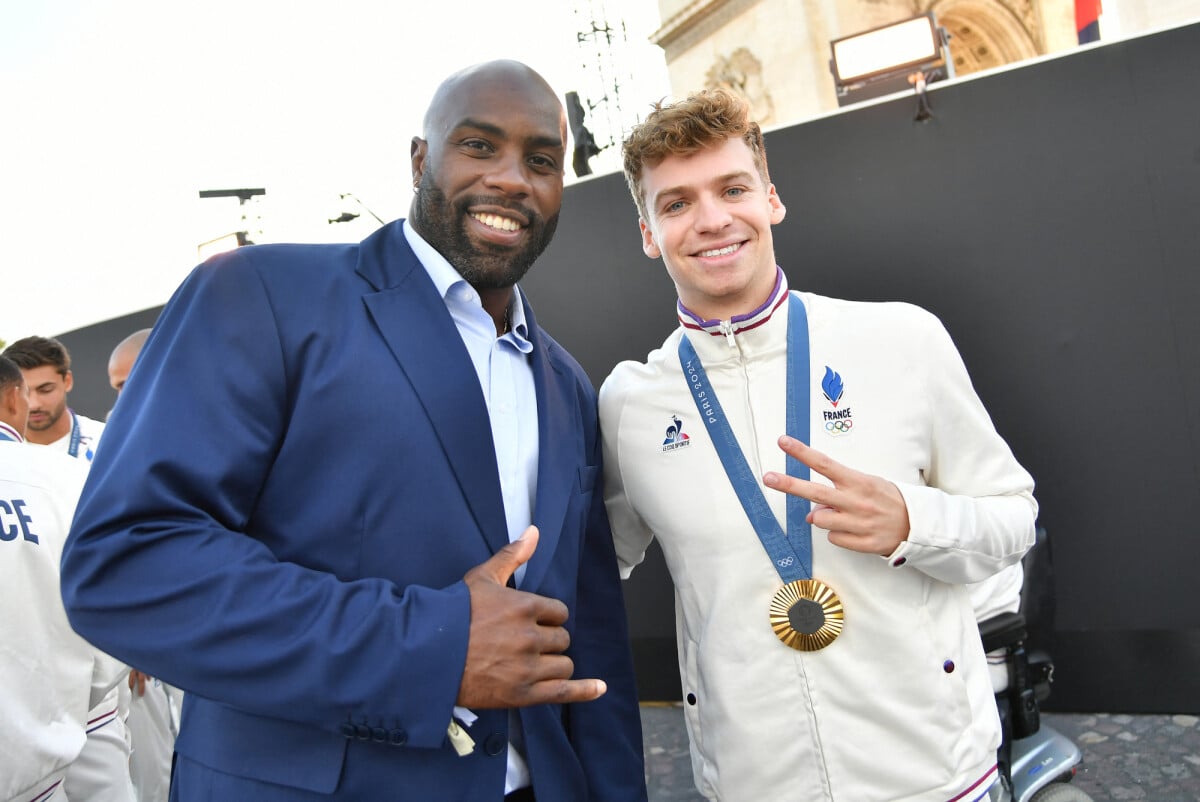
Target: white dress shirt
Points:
x,y
506,379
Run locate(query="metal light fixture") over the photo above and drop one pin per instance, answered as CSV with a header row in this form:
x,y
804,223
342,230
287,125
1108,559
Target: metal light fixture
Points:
x,y
890,58
236,239
585,143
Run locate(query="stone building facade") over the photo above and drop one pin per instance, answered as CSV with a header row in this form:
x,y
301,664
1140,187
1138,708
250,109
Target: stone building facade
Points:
x,y
776,52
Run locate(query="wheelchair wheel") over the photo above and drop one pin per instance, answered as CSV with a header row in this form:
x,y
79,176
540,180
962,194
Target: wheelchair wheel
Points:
x,y
1060,792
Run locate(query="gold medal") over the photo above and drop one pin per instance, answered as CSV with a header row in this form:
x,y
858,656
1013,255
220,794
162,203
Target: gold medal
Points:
x,y
806,614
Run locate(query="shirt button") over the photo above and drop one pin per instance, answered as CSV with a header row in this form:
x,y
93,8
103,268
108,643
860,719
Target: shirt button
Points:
x,y
899,561
948,666
691,698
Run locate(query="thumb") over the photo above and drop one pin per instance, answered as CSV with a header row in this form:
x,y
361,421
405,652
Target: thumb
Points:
x,y
504,563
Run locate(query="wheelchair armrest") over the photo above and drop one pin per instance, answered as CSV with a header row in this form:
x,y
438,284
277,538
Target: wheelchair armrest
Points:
x,y
1003,630
1041,673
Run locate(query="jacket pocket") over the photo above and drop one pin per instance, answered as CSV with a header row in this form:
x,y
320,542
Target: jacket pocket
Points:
x,y
587,478
267,749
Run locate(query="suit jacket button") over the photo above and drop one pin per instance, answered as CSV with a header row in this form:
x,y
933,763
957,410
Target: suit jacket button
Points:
x,y
495,744
398,738
362,732
347,730
379,735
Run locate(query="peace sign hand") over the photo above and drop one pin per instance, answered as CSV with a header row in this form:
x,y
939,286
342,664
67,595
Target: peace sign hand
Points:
x,y
862,512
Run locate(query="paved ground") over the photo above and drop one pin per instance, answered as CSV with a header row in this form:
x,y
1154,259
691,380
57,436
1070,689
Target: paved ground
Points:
x,y
1152,758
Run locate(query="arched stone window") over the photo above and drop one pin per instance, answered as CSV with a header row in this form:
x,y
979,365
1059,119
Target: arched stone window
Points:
x,y
988,33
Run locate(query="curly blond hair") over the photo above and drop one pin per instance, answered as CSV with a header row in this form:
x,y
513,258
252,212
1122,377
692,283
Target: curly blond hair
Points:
x,y
704,119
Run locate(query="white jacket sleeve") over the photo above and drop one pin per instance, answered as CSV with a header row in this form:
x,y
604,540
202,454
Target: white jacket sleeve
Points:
x,y
631,536
107,673
975,513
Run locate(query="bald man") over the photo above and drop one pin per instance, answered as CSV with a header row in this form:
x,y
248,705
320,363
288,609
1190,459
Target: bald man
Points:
x,y
123,356
366,533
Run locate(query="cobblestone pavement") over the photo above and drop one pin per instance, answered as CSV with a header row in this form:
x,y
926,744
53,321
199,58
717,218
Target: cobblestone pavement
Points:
x,y
1155,758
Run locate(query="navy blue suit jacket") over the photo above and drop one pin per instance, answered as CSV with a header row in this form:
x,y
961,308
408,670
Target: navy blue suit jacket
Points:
x,y
279,516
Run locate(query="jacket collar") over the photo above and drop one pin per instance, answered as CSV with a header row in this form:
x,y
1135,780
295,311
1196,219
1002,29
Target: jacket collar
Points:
x,y
753,332
416,326
412,318
9,433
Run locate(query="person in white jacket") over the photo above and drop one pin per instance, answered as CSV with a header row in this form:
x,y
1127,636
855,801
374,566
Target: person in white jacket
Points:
x,y
51,675
824,483
101,772
46,365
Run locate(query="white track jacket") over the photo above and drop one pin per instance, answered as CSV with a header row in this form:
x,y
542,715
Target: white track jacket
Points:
x,y
900,706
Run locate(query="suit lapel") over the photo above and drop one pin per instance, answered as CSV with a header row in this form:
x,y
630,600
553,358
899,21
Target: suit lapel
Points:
x,y
558,452
421,335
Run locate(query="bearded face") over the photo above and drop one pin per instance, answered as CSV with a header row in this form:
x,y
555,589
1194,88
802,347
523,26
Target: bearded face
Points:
x,y
491,241
489,173
47,403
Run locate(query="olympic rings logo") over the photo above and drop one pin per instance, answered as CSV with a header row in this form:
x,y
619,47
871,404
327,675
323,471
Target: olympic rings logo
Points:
x,y
786,561
839,426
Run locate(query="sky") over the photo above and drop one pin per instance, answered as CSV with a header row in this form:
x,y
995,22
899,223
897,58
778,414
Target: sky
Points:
x,y
115,114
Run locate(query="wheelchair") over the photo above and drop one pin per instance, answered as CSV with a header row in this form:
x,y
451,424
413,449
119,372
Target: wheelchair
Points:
x,y
1036,762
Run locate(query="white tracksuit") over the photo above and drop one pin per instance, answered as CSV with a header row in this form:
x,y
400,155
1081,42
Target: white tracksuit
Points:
x,y
52,676
101,772
900,706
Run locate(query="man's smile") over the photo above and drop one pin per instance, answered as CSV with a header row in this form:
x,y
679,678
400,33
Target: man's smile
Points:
x,y
497,222
724,250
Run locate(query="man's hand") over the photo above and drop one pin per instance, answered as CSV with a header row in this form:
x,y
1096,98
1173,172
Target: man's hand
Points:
x,y
862,512
137,682
515,653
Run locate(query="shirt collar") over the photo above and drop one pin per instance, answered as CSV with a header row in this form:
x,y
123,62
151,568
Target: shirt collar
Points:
x,y
9,433
738,323
451,285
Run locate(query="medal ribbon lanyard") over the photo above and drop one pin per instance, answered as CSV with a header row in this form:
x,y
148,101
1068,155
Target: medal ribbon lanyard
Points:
x,y
76,435
791,552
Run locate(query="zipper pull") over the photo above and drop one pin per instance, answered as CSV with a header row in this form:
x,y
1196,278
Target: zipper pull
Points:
x,y
727,330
